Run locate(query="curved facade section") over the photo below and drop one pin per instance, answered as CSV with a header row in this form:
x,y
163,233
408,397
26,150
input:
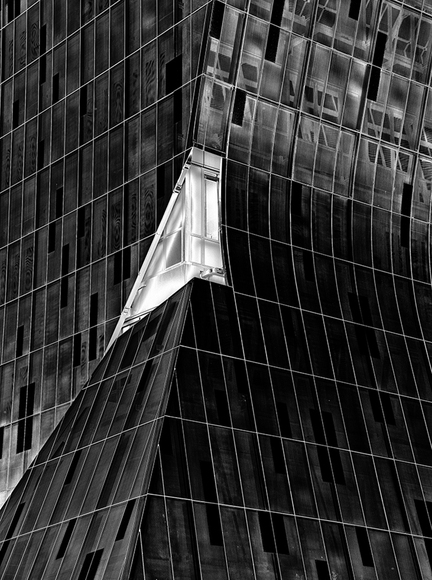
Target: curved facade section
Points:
x,y
327,232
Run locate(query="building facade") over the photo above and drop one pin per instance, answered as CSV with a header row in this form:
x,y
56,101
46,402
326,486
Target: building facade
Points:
x,y
277,424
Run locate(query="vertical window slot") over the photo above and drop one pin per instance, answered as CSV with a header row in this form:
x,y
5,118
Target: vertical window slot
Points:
x,y
277,11
267,538
354,9
15,520
280,534
405,231
64,291
166,446
214,525
65,259
178,106
94,298
379,51
26,401
209,485
173,74
72,468
406,199
90,565
126,263
374,81
375,72
51,237
43,39
114,470
19,340
217,19
41,154
125,520
322,569
24,434
55,88
272,43
42,69
93,343
239,107
364,546
65,542
296,198
83,100
11,531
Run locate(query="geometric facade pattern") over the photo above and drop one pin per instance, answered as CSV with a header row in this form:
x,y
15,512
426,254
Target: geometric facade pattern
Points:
x,y
276,427
85,88
86,489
